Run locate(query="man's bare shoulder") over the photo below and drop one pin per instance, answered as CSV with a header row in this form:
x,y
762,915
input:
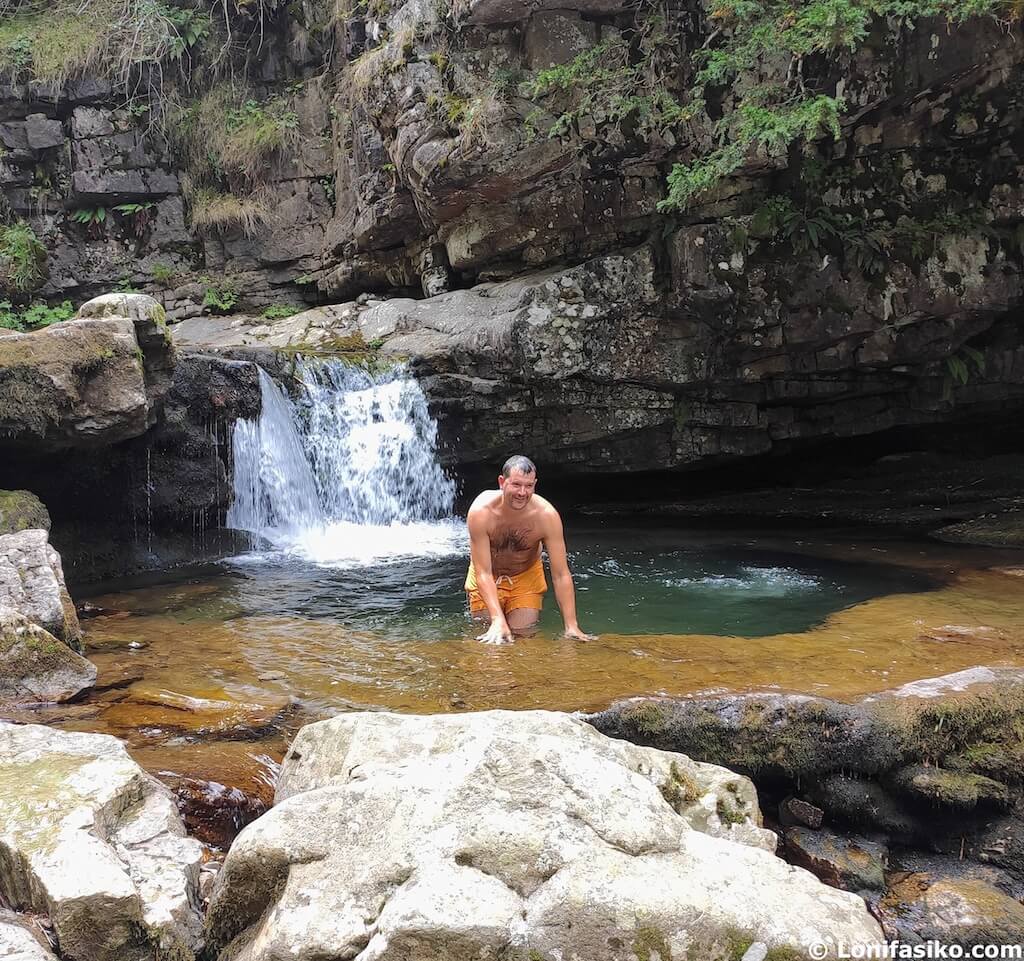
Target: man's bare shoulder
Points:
x,y
543,509
485,501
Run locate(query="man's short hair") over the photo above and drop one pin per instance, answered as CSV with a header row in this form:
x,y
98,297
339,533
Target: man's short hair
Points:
x,y
518,462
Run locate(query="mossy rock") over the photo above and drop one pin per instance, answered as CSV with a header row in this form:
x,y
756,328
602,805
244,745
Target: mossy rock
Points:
x,y
953,789
22,511
972,912
35,666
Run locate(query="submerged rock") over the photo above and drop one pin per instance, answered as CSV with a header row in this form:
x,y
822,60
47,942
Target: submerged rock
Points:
x,y
524,834
35,666
93,842
32,582
854,864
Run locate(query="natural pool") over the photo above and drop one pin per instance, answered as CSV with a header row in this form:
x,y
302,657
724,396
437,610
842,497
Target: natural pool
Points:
x,y
205,673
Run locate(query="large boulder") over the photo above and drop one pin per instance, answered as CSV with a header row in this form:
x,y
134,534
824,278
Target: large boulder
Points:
x,y
87,382
32,582
512,834
35,666
93,842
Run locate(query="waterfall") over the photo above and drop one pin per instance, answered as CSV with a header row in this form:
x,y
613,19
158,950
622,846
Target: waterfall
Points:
x,y
346,472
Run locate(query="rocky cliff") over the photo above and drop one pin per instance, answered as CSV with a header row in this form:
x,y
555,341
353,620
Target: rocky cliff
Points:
x,y
623,237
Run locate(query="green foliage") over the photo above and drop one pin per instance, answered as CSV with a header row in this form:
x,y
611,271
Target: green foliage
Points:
x,y
229,138
191,27
35,316
221,296
620,80
812,227
330,190
772,115
22,259
92,218
280,311
56,40
139,216
163,274
958,369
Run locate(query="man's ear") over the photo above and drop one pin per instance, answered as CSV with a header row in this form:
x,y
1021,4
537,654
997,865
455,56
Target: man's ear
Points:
x,y
501,482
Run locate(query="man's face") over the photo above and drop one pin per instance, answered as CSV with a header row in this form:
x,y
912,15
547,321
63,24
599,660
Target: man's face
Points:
x,y
517,489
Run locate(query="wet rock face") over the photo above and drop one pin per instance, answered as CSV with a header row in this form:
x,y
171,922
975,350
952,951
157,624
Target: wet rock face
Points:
x,y
116,876
466,836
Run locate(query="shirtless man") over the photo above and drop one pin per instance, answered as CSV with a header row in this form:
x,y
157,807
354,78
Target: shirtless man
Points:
x,y
506,578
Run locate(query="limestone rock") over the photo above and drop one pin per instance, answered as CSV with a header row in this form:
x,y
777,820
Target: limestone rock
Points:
x,y
18,943
32,582
22,510
463,836
854,864
35,666
92,841
77,383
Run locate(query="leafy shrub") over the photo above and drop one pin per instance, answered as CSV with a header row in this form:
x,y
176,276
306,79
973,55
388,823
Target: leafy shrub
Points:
x,y
163,274
138,216
22,259
35,316
771,115
221,296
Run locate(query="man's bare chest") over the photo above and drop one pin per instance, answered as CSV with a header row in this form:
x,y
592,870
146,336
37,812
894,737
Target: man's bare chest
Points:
x,y
514,539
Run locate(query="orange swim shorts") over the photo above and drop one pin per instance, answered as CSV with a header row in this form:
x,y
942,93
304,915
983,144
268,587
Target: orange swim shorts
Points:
x,y
525,589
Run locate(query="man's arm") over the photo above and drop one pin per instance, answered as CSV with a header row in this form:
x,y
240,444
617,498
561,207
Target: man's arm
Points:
x,y
480,554
561,578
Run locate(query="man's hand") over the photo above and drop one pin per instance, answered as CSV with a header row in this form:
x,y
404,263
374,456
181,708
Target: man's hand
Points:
x,y
498,633
575,634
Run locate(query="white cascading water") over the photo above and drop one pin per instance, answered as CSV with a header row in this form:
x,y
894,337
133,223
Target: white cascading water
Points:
x,y
346,473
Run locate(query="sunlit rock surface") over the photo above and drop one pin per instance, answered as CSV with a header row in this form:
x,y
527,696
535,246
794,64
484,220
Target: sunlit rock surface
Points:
x,y
90,840
87,382
529,833
32,582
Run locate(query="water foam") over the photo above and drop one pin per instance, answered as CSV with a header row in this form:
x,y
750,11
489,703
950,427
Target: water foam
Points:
x,y
346,474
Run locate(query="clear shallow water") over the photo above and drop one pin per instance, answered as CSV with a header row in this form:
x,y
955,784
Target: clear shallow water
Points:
x,y
628,582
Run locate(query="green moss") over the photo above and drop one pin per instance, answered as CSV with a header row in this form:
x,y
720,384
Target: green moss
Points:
x,y
729,811
20,511
680,789
649,944
646,717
